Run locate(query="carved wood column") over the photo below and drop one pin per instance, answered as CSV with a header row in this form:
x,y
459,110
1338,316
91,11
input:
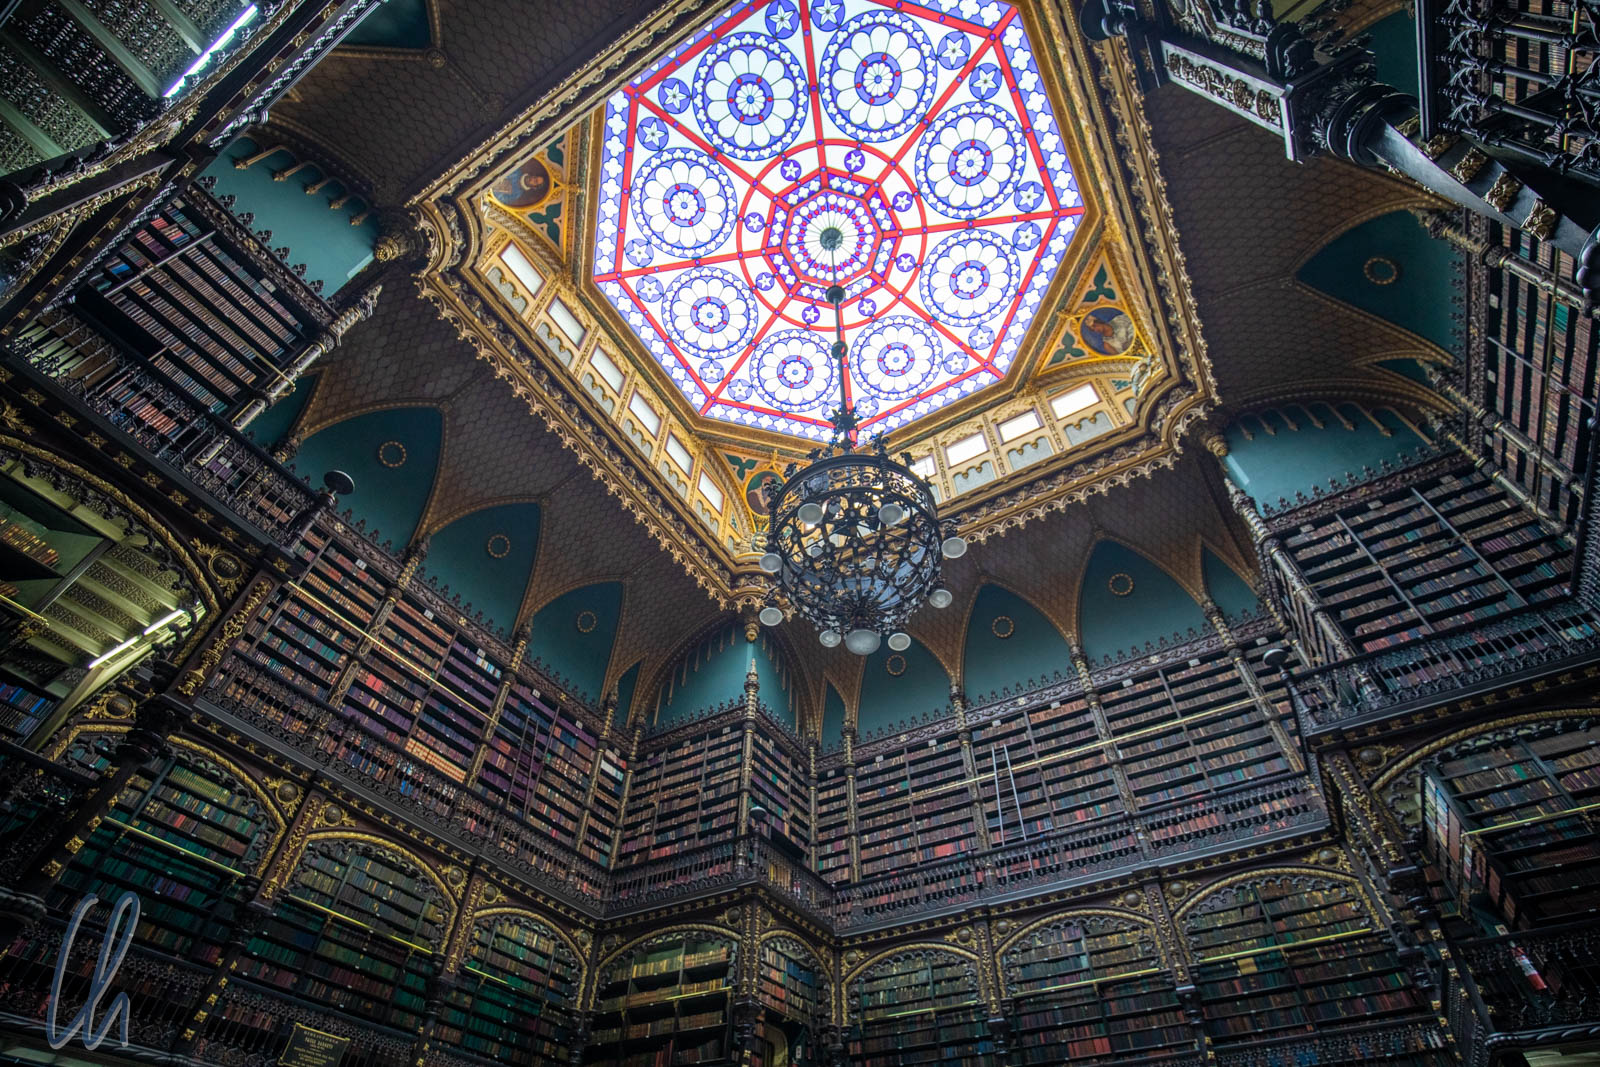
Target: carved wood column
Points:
x,y
1258,696
1175,951
969,766
853,826
1102,730
253,916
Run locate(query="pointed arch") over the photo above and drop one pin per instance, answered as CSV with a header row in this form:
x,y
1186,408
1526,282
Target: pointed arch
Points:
x,y
573,636
485,558
1128,601
1008,640
712,671
393,455
422,867
900,686
1391,267
1228,590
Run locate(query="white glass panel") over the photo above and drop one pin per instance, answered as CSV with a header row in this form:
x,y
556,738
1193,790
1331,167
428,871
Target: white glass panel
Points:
x,y
1073,401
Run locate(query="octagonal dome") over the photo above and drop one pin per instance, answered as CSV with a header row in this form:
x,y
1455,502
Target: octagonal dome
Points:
x,y
920,136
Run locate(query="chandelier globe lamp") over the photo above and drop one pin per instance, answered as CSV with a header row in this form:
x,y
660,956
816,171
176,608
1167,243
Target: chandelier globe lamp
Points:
x,y
855,544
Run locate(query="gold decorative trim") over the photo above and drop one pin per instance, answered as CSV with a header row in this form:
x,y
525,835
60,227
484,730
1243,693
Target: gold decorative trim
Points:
x,y
856,969
280,823
1265,873
1372,270
1503,192
1418,755
1120,584
1004,946
498,541
389,460
1003,626
451,897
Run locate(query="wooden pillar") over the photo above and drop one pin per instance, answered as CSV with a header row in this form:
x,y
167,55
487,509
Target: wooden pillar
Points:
x,y
752,693
1102,730
324,343
608,707
251,920
969,765
853,825
1175,950
1258,696
811,803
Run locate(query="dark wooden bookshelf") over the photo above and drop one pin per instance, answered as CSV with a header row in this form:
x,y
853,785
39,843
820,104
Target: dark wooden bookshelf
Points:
x,y
1094,990
1511,826
515,999
919,1007
666,1002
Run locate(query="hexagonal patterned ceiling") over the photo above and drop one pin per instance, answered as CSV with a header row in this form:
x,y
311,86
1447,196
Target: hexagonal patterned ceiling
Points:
x,y
917,137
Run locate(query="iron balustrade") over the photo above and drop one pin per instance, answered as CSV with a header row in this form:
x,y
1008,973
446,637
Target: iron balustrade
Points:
x,y
162,990
1536,980
166,425
300,722
1516,75
1439,667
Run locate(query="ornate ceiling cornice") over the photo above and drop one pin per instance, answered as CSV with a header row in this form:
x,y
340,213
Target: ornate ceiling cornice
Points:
x,y
1116,161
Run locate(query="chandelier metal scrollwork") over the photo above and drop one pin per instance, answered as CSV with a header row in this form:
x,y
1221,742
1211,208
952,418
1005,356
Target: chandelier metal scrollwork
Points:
x,y
855,543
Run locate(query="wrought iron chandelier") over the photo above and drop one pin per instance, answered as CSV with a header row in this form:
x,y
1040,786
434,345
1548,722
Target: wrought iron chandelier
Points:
x,y
855,543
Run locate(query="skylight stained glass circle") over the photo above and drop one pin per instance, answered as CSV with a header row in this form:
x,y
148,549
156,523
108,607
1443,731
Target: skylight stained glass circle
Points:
x,y
877,75
795,370
685,201
750,95
922,133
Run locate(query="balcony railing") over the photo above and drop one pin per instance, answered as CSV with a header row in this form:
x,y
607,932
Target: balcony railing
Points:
x,y
166,424
1443,665
1517,75
302,723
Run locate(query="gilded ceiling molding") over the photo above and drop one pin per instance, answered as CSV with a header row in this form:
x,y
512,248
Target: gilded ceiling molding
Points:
x,y
578,95
1418,347
554,403
1119,914
1128,210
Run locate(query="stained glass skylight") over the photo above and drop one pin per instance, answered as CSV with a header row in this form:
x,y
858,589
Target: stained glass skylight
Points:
x,y
921,133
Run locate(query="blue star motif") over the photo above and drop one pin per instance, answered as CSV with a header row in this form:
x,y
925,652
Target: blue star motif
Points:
x,y
653,133
674,96
953,50
782,19
958,217
985,81
1026,236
